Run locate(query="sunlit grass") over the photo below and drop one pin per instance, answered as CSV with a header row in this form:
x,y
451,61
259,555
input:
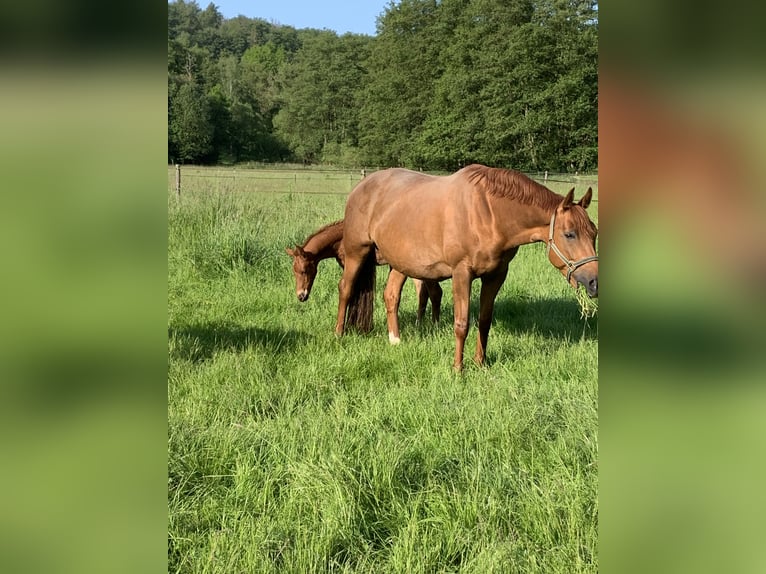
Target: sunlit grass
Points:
x,y
293,451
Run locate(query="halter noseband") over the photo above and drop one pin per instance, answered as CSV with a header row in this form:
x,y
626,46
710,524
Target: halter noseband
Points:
x,y
571,265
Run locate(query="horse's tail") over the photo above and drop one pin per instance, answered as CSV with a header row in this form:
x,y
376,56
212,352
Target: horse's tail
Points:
x,y
360,306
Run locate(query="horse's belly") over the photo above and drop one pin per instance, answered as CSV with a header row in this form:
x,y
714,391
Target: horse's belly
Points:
x,y
417,264
412,240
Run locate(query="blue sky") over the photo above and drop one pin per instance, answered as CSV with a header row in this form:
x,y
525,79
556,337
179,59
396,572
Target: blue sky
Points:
x,y
357,16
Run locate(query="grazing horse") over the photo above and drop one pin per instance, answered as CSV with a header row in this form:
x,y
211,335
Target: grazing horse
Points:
x,y
467,225
326,242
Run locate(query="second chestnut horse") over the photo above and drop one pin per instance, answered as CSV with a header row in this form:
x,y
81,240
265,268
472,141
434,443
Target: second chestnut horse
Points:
x,y
326,243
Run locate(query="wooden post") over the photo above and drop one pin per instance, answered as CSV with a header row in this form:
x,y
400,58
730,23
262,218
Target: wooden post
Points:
x,y
178,181
546,175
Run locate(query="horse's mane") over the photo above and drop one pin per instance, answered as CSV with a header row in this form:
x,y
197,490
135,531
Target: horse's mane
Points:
x,y
322,230
517,186
513,185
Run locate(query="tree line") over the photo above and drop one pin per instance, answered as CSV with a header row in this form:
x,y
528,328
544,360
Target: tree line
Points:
x,y
443,83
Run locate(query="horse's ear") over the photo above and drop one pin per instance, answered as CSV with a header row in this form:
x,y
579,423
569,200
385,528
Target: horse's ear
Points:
x,y
585,199
568,199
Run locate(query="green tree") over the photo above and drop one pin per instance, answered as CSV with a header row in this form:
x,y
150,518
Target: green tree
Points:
x,y
468,119
518,87
190,127
319,110
261,67
241,32
503,82
443,83
403,65
223,148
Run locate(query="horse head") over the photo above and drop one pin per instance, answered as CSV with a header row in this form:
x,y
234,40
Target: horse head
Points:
x,y
572,242
304,269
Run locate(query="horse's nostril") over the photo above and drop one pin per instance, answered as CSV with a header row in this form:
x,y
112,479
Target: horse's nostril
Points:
x,y
593,283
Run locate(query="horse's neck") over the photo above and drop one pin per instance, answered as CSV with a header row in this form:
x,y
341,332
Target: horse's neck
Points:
x,y
327,243
541,225
534,226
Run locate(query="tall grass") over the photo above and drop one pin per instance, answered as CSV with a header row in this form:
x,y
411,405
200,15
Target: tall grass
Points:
x,y
293,451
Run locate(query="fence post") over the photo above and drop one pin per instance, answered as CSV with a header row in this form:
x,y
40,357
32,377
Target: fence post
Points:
x,y
178,181
546,175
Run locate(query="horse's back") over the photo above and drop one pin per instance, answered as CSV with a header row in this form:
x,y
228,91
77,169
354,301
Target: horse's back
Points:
x,y
400,191
387,185
406,214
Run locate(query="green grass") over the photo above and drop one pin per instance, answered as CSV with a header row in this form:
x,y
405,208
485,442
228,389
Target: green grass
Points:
x,y
293,451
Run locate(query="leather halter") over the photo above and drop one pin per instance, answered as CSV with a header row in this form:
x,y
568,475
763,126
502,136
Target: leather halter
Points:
x,y
571,265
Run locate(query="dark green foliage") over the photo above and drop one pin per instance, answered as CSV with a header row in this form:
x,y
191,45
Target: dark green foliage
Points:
x,y
320,112
509,83
191,130
403,66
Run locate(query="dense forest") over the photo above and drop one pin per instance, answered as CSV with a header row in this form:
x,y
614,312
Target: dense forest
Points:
x,y
443,83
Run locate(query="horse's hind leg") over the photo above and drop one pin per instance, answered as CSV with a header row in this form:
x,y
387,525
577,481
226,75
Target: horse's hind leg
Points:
x,y
392,296
435,295
346,287
422,292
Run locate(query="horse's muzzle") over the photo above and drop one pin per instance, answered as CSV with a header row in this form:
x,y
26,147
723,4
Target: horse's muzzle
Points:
x,y
303,296
590,282
592,287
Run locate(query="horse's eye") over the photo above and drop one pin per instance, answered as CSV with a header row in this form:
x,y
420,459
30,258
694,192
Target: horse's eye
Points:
x,y
570,234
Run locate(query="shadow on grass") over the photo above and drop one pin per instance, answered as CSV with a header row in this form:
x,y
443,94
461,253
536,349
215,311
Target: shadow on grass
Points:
x,y
550,318
200,342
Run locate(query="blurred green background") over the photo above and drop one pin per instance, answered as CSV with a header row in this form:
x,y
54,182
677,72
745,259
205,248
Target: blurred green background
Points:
x,y
82,245
681,378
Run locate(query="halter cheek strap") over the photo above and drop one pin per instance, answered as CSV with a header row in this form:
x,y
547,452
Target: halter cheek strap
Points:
x,y
571,265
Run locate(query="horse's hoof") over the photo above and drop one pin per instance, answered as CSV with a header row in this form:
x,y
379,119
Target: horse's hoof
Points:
x,y
393,339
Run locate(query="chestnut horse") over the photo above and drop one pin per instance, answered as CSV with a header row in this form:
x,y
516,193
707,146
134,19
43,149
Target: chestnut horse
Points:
x,y
467,225
325,243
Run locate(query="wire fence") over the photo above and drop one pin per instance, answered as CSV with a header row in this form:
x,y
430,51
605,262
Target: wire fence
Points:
x,y
290,178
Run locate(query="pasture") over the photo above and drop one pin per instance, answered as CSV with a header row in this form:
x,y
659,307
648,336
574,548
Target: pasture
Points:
x,y
292,451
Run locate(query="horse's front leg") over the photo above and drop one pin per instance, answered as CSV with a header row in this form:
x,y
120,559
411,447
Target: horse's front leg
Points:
x,y
392,295
490,286
461,295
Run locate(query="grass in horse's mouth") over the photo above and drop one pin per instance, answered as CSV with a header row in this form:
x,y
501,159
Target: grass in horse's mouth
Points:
x,y
588,305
